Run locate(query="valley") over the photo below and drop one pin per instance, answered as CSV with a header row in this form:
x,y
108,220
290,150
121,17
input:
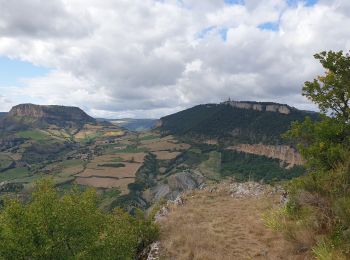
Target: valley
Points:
x,y
135,169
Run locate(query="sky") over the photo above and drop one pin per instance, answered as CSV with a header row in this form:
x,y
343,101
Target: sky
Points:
x,y
150,58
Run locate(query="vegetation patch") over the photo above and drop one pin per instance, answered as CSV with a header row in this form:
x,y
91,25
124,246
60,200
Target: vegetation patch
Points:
x,y
319,202
132,149
246,167
70,227
148,137
33,134
211,167
5,162
12,174
113,165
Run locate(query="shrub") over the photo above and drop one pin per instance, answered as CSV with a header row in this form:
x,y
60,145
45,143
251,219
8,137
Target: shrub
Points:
x,y
321,199
51,226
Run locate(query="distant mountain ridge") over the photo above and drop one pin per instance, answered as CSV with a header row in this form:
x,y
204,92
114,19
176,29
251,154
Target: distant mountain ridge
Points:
x,y
235,121
133,124
30,115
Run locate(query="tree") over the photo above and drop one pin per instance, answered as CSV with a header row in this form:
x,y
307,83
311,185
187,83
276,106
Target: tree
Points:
x,y
71,226
319,201
331,92
323,143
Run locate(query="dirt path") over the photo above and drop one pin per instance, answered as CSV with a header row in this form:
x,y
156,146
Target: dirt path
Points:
x,y
217,226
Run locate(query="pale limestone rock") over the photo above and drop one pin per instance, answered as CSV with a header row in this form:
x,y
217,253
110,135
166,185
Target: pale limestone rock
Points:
x,y
284,153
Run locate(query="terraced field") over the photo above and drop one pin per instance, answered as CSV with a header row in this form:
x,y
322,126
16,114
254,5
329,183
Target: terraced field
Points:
x,y
104,157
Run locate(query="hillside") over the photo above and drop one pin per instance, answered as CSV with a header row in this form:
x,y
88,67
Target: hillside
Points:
x,y
26,116
2,114
234,122
130,169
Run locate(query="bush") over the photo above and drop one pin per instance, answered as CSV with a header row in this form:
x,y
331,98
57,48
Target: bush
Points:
x,y
51,226
325,191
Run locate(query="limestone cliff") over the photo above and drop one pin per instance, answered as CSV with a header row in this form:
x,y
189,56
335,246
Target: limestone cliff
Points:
x,y
268,107
36,116
284,153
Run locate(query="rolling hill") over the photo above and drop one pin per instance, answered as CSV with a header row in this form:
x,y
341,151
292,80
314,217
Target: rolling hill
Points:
x,y
234,122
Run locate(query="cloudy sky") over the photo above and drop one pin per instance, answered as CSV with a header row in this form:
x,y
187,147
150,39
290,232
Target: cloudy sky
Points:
x,y
149,58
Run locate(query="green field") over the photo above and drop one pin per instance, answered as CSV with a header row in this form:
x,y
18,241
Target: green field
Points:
x,y
5,161
13,174
149,137
211,167
33,134
132,149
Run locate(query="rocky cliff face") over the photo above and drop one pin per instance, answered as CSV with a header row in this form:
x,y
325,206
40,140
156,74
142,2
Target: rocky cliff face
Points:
x,y
177,184
37,115
269,107
284,153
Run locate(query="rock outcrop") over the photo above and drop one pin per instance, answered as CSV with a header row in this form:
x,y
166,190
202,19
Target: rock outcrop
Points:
x,y
284,153
41,116
176,184
269,107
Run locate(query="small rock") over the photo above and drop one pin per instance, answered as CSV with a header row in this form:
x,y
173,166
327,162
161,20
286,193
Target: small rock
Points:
x,y
154,251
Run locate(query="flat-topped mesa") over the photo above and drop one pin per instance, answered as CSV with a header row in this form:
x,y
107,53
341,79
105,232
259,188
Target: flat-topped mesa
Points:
x,y
50,112
41,116
269,107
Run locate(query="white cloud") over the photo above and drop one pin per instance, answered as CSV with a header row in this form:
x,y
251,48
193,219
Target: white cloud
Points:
x,y
146,59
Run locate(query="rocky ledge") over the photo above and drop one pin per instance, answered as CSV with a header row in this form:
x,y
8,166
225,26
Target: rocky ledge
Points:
x,y
268,107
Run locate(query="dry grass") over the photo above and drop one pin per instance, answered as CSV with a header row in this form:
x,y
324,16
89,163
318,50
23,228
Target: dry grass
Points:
x,y
217,226
72,170
136,157
165,144
128,171
84,133
97,182
211,141
114,133
165,155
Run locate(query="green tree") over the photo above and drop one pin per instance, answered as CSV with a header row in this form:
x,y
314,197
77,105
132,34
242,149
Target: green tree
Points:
x,y
71,226
319,202
323,143
331,92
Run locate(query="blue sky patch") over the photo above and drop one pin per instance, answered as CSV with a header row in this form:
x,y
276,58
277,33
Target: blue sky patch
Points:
x,y
222,31
12,70
205,31
305,2
234,2
272,26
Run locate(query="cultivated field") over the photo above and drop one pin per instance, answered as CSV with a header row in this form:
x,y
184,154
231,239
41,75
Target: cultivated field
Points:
x,y
165,155
96,182
165,144
123,157
128,171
